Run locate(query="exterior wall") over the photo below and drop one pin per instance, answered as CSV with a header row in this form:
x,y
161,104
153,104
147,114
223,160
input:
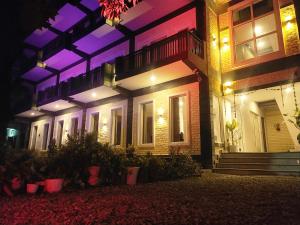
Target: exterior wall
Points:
x,y
67,118
161,126
40,132
104,127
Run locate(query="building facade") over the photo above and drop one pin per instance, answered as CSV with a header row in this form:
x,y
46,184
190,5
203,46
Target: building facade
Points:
x,y
172,74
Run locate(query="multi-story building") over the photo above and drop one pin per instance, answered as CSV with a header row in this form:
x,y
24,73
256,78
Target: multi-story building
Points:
x,y
170,74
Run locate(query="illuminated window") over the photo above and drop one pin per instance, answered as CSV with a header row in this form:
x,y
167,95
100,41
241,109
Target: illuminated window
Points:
x,y
74,127
254,30
95,123
116,126
146,125
178,118
45,136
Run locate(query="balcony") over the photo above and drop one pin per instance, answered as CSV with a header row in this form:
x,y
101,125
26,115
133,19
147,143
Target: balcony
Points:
x,y
76,86
184,47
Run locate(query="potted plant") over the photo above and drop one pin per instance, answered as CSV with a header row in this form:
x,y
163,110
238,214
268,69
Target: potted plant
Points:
x,y
231,127
133,166
32,175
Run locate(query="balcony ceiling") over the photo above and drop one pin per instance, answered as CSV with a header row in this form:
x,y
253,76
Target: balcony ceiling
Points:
x,y
69,15
62,59
161,75
30,114
95,94
57,106
36,74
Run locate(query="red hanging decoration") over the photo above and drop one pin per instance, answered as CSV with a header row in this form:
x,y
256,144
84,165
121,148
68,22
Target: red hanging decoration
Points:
x,y
112,9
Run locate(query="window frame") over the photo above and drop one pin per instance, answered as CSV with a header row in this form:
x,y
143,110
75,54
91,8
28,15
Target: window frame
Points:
x,y
140,123
256,59
187,125
122,125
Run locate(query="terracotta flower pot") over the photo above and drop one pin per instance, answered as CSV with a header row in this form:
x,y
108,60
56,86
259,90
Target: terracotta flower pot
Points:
x,y
32,188
54,185
132,173
93,180
94,171
16,183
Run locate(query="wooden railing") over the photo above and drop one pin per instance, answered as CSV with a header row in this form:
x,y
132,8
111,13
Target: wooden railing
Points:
x,y
75,85
171,49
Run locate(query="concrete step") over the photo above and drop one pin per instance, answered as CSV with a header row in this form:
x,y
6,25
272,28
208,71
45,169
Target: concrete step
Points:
x,y
260,166
280,161
262,154
259,172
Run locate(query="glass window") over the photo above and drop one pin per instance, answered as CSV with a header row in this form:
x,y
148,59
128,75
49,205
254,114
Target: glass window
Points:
x,y
265,25
241,15
261,7
243,33
256,37
267,44
245,51
95,123
60,132
178,120
45,136
116,126
74,127
147,123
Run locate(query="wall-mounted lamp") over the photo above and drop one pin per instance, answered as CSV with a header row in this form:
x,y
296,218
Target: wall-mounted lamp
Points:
x,y
288,20
214,40
160,113
225,43
227,87
104,121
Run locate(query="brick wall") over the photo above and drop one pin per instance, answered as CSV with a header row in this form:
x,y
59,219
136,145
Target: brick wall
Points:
x,y
161,126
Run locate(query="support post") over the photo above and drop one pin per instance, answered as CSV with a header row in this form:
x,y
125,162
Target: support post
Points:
x,y
129,121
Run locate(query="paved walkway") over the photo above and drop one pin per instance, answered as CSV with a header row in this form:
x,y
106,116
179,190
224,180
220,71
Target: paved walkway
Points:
x,y
211,199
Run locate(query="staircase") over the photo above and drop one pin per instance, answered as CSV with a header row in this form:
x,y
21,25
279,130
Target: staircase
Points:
x,y
283,163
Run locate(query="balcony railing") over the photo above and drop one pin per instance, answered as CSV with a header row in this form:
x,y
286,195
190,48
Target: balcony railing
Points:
x,y
169,50
97,77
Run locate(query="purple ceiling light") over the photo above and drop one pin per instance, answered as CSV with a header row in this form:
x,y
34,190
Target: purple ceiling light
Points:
x,y
67,16
62,59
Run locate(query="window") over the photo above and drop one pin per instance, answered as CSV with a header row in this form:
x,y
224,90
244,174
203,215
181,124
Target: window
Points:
x,y
178,118
147,123
60,130
116,126
254,30
95,123
74,127
45,136
34,135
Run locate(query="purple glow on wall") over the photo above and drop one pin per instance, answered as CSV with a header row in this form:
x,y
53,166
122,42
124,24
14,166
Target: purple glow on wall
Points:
x,y
91,4
40,37
47,83
186,20
73,72
67,16
62,59
36,74
98,39
109,55
148,11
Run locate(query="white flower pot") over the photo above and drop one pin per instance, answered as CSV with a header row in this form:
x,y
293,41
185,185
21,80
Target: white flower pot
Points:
x,y
132,173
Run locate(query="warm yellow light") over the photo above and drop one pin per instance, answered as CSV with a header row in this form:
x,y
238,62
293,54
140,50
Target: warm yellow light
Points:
x,y
32,114
288,90
228,91
56,106
225,40
153,78
160,111
258,30
289,25
288,18
104,121
243,98
214,40
228,84
94,94
260,44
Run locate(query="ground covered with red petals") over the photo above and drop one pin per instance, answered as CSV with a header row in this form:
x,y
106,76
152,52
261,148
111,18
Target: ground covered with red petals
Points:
x,y
210,199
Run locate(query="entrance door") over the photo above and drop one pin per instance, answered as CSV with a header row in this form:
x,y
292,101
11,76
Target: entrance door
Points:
x,y
256,131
